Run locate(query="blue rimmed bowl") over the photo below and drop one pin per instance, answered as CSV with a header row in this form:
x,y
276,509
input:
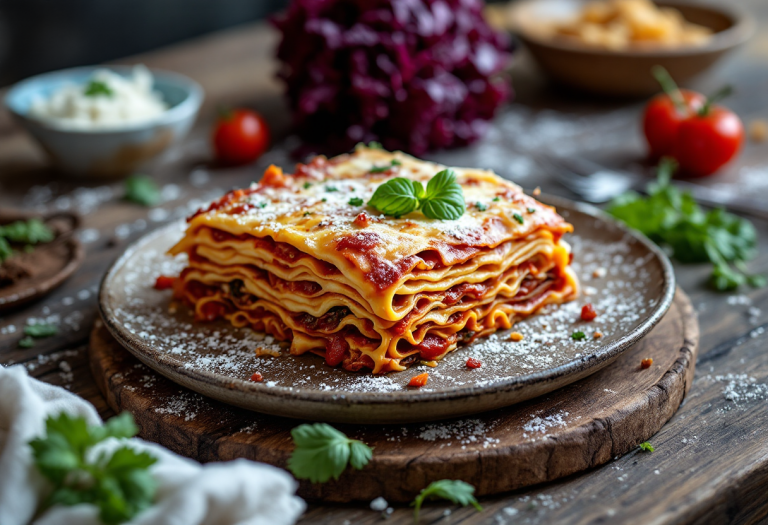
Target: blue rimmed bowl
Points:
x,y
110,152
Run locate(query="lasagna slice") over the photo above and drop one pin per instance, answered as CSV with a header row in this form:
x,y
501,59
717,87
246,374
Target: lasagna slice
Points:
x,y
305,259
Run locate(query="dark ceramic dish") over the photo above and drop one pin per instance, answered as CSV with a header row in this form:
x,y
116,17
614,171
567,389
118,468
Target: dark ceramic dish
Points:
x,y
53,262
627,278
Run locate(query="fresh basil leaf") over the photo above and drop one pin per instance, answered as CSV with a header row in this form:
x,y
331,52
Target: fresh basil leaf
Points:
x,y
398,196
5,249
141,189
41,330
444,198
32,231
356,201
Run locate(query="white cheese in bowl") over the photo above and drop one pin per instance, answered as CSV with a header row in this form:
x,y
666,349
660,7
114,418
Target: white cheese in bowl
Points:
x,y
106,101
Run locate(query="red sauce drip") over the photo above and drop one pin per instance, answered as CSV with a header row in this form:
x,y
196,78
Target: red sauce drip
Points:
x,y
227,199
257,377
432,347
316,169
358,362
336,349
588,312
213,310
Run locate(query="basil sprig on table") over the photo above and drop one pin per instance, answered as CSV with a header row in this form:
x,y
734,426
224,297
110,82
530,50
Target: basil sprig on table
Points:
x,y
32,231
442,199
674,219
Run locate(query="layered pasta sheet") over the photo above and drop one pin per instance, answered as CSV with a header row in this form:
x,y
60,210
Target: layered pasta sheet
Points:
x,y
303,258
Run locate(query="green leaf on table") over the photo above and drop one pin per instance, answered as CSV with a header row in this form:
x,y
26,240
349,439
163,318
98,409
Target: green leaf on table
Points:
x,y
140,189
646,447
455,491
322,453
41,330
672,218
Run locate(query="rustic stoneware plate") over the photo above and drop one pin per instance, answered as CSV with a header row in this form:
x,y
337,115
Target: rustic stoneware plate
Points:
x,y
626,277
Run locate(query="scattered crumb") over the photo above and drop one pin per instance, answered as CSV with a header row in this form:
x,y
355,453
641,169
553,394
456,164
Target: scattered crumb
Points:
x,y
516,336
257,377
599,273
379,504
597,335
758,130
646,363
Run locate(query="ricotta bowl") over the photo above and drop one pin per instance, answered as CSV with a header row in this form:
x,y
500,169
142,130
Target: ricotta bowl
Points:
x,y
105,122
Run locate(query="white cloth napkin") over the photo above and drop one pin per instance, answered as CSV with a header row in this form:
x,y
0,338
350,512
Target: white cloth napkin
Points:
x,y
237,492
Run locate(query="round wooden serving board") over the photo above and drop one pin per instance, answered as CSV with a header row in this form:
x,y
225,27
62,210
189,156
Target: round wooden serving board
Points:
x,y
572,429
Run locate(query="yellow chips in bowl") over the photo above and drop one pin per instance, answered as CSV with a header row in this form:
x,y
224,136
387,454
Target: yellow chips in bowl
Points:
x,y
626,24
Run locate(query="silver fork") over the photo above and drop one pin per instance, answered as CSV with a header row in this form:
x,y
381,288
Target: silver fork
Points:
x,y
597,184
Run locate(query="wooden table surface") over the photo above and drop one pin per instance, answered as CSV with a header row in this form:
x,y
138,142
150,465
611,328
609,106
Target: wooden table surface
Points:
x,y
711,459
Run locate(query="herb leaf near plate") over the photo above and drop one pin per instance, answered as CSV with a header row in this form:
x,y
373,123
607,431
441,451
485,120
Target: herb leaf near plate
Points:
x,y
455,491
322,453
29,232
673,219
118,484
141,189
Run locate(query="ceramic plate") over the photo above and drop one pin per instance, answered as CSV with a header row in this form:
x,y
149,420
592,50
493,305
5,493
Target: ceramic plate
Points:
x,y
626,277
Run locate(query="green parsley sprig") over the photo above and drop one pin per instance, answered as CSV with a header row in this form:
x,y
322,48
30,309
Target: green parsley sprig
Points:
x,y
455,491
29,232
322,453
646,447
140,189
442,199
382,169
120,484
672,218
37,331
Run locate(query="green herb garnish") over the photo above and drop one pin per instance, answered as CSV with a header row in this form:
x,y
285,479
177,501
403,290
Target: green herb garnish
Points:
x,y
26,342
41,330
307,213
518,218
141,189
322,453
672,218
331,189
375,145
496,199
443,198
480,206
578,336
29,232
531,210
455,491
382,169
96,88
307,185
646,447
119,484
356,201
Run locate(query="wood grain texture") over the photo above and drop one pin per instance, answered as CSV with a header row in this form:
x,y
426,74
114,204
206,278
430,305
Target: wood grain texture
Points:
x,y
570,430
711,459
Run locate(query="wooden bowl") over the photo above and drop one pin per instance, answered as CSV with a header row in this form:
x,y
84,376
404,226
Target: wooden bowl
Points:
x,y
625,73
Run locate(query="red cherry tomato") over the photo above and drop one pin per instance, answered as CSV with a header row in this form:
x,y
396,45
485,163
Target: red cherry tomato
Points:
x,y
689,127
662,118
474,363
705,143
241,136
